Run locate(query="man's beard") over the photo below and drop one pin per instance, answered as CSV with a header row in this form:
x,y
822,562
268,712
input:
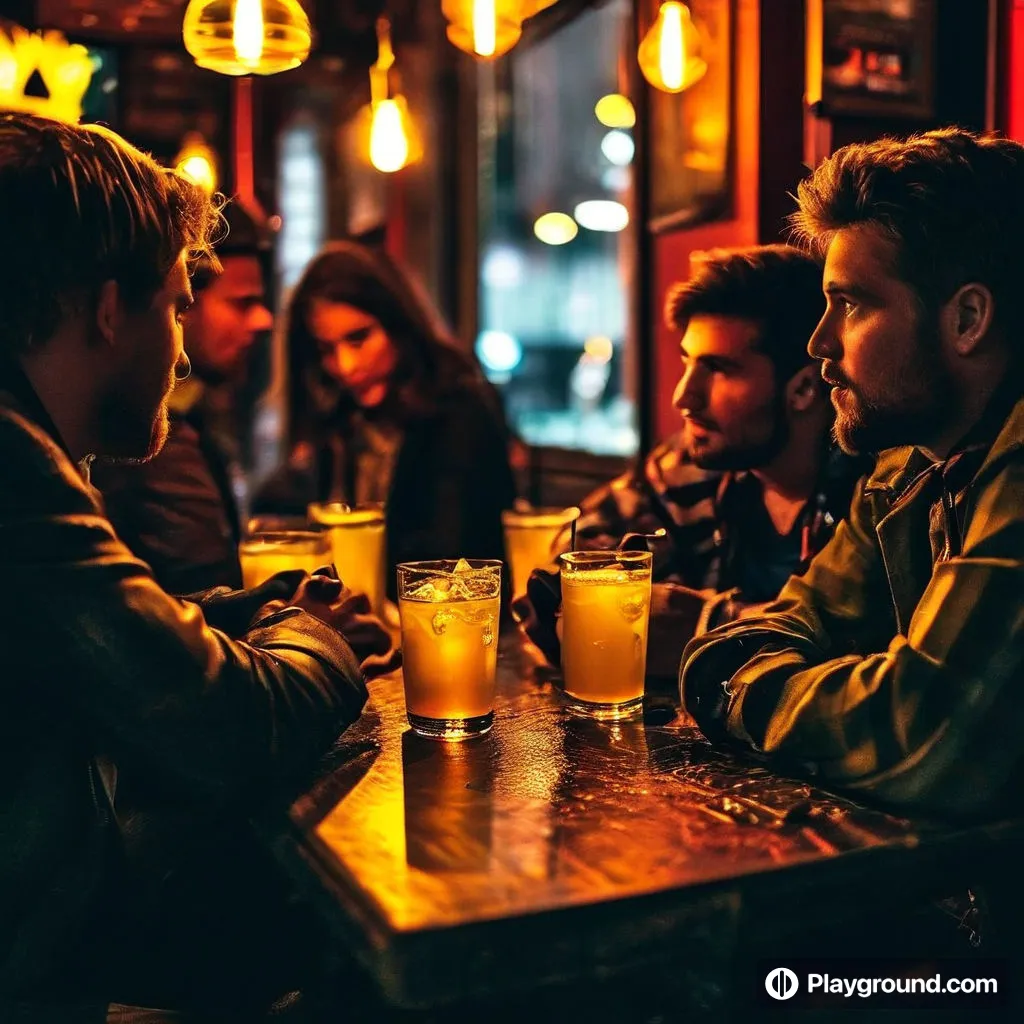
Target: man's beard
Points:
x,y
733,458
863,426
130,433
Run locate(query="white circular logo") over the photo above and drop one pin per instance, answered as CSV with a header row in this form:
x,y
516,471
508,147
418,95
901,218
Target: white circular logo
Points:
x,y
782,983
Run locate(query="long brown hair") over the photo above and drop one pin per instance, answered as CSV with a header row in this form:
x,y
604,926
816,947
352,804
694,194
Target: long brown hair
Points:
x,y
429,363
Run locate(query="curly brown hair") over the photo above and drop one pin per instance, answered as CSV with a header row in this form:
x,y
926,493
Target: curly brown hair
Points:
x,y
777,287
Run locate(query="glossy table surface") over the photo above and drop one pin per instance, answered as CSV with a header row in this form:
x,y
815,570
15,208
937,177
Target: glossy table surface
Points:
x,y
556,847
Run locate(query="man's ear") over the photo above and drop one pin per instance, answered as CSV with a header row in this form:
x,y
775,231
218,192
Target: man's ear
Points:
x,y
966,319
108,312
803,388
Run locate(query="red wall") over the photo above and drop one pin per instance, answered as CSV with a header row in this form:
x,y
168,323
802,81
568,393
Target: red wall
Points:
x,y
1015,72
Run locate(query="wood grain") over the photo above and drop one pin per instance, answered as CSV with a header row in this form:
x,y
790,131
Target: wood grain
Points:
x,y
557,848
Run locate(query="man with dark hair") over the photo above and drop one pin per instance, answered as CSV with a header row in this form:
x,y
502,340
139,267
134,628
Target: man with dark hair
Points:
x,y
179,511
894,665
106,680
749,489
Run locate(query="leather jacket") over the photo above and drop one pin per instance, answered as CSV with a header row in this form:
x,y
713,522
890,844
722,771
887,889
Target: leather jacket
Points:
x,y
102,673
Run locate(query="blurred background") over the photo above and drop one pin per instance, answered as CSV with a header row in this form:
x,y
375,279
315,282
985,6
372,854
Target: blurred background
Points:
x,y
545,193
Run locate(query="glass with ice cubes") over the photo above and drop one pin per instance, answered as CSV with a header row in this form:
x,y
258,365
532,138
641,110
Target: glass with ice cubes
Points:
x,y
606,606
449,612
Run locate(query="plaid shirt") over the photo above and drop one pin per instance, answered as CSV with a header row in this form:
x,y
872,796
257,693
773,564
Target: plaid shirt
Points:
x,y
703,514
894,667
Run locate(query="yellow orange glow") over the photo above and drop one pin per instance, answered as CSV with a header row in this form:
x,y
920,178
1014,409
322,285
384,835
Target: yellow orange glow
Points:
x,y
247,31
669,53
615,111
672,51
198,162
389,143
65,69
484,27
555,228
200,170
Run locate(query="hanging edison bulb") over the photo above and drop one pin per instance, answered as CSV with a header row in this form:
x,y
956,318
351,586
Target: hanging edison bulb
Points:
x,y
488,28
669,54
198,162
389,140
247,37
389,143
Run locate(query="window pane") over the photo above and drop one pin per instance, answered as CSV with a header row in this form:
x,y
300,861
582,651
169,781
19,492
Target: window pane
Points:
x,y
554,318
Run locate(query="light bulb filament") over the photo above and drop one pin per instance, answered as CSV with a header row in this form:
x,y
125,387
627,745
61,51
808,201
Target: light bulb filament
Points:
x,y
247,31
672,51
485,29
389,145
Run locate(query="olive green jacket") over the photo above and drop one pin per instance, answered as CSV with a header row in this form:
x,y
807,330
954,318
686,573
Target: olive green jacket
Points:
x,y
895,666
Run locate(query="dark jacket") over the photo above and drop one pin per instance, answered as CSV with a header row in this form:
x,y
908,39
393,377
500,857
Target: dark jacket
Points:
x,y
450,483
103,674
177,512
895,666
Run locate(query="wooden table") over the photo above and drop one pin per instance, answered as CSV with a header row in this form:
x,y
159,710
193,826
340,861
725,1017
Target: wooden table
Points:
x,y
557,848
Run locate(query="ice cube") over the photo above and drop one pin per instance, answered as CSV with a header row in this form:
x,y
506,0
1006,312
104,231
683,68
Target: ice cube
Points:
x,y
431,590
488,633
441,619
631,608
462,566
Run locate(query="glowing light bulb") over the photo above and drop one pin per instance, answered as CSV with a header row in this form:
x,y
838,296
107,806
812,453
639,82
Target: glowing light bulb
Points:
x,y
668,54
247,31
672,47
247,37
488,28
198,162
389,144
484,27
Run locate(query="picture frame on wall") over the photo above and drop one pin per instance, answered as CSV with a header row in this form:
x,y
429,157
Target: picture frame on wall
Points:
x,y
691,132
872,58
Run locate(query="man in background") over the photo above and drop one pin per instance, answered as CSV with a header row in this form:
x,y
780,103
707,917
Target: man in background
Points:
x,y
750,488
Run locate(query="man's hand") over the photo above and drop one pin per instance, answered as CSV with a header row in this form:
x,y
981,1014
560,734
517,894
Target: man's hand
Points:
x,y
538,613
327,598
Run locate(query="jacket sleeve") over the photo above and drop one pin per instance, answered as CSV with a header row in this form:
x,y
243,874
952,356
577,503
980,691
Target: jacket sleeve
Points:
x,y
930,720
170,513
141,674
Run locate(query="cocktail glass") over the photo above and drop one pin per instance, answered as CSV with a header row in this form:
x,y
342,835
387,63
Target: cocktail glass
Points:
x,y
449,615
606,604
359,544
529,540
264,554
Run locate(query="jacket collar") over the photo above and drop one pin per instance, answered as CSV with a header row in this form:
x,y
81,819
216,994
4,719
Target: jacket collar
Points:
x,y
15,382
1001,430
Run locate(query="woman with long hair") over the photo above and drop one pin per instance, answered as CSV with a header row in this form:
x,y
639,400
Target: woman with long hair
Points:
x,y
385,408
